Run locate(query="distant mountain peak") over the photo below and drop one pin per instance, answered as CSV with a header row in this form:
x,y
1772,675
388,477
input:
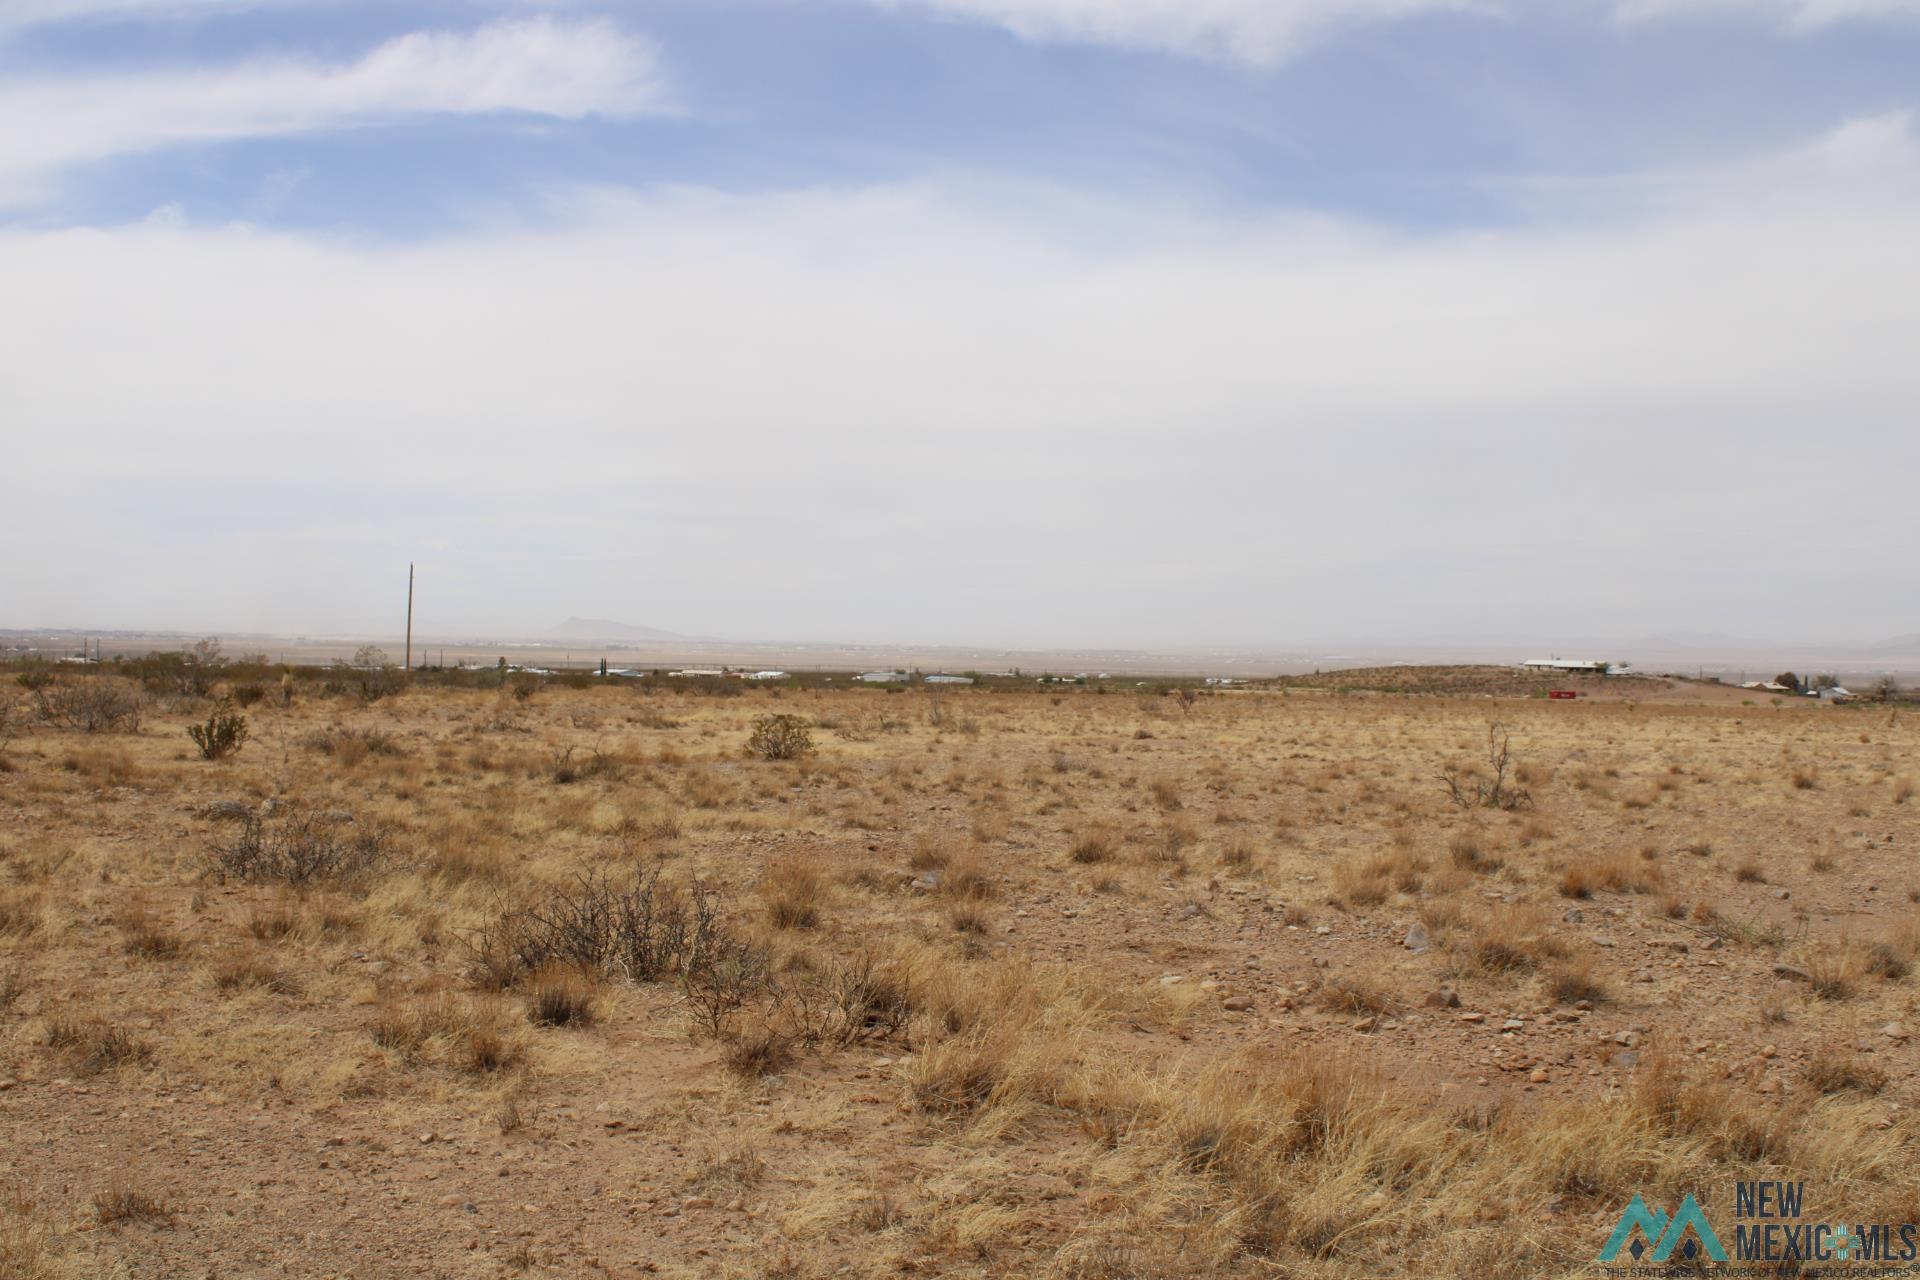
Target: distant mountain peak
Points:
x,y
608,629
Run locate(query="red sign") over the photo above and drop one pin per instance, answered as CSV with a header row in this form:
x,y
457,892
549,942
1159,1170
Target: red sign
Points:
x,y
1562,693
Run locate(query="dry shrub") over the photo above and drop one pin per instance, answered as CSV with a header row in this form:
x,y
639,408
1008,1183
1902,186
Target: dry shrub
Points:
x,y
146,937
1165,792
1574,980
965,877
301,846
349,747
793,891
640,928
1619,873
1805,778
32,1250
1092,846
1237,854
466,1034
1836,968
929,852
1833,1072
121,1201
95,705
247,969
20,912
1749,872
1507,938
1469,852
1350,993
271,922
1176,836
969,917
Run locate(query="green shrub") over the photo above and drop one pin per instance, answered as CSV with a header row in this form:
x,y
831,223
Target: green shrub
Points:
x,y
780,737
223,733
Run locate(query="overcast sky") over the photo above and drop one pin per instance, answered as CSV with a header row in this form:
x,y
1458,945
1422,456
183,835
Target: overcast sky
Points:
x,y
1041,322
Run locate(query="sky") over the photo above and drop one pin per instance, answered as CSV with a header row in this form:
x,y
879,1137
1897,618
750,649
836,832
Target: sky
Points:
x,y
1156,323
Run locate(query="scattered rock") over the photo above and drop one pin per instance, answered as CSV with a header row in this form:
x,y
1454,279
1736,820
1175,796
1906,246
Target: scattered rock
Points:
x,y
1783,894
697,1202
1366,1024
1473,1017
1322,930
1444,998
1417,940
1513,1024
1894,1031
1793,972
1237,1004
1574,915
1538,1077
1625,1059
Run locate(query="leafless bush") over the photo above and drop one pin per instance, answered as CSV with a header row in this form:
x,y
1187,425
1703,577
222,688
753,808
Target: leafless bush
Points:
x,y
300,846
91,706
371,673
641,929
1472,790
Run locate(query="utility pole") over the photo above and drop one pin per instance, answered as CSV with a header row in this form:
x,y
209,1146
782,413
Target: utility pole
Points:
x,y
409,615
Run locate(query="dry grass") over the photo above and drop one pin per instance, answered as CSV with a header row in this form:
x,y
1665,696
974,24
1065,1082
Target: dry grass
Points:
x,y
1062,985
794,892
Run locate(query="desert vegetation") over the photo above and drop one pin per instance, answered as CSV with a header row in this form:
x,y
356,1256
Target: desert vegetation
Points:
x,y
490,976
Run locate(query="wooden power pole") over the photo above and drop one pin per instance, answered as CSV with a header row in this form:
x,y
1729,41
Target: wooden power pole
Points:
x,y
409,615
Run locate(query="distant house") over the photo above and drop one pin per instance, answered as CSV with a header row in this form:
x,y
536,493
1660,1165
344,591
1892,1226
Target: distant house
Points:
x,y
768,675
940,678
885,677
1577,665
1225,680
692,672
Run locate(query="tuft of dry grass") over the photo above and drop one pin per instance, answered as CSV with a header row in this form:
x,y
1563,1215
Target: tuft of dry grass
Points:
x,y
1092,847
793,891
95,1046
561,996
121,1201
1831,1071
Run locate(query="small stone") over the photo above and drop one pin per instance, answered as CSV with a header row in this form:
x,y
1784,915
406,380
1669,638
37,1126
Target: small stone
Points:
x,y
1513,1024
1793,972
1625,1058
1417,940
1783,894
697,1202
1538,1077
1894,1031
1237,1004
1444,998
1473,1017
1322,930
1574,915
1366,1024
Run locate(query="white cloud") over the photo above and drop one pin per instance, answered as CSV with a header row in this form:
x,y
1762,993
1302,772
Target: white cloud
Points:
x,y
540,67
891,413
18,15
1801,14
1258,31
